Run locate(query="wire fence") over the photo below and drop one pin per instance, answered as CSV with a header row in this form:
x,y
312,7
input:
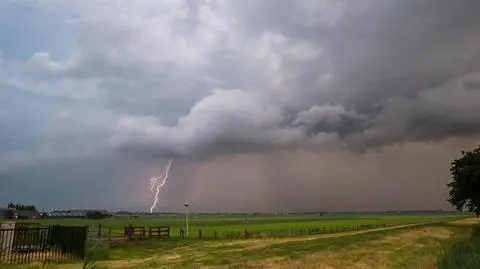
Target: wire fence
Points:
x,y
98,232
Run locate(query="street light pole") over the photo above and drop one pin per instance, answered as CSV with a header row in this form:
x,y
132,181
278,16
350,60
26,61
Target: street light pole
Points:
x,y
186,217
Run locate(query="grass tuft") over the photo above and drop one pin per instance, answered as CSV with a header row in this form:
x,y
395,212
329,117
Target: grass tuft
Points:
x,y
462,254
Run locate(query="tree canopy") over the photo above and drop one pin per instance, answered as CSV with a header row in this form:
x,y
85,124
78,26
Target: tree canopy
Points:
x,y
465,186
22,207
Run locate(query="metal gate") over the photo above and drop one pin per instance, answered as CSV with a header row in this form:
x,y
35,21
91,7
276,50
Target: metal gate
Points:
x,y
54,243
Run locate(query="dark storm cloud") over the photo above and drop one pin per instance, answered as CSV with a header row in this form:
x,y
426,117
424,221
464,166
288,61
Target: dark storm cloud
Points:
x,y
391,63
211,80
385,62
381,49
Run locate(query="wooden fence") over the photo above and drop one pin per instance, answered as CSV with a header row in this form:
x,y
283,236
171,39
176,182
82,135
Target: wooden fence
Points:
x,y
140,232
129,232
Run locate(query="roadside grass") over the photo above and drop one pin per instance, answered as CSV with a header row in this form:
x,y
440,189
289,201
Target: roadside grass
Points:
x,y
464,251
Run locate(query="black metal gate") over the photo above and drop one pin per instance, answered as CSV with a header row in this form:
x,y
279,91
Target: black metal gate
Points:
x,y
26,244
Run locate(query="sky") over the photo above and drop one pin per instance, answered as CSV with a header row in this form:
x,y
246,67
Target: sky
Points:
x,y
262,106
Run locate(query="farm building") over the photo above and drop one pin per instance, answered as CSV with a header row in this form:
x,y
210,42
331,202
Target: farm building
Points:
x,y
27,214
12,213
7,213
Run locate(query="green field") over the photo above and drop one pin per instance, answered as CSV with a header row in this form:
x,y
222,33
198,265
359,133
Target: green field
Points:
x,y
256,223
408,241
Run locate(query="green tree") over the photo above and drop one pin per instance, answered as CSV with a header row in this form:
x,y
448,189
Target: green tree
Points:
x,y
22,207
465,186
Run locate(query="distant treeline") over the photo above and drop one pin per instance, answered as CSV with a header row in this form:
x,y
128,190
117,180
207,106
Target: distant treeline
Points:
x,y
317,213
22,207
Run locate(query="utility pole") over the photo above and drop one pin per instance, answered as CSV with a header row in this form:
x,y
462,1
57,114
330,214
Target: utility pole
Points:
x,y
186,218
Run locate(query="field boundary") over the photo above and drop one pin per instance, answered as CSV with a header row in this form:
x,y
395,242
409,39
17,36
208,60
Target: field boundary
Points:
x,y
282,233
348,233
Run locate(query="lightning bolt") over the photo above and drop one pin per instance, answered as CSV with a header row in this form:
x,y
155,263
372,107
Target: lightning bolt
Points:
x,y
155,182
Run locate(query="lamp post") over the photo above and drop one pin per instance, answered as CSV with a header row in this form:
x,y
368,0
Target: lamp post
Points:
x,y
186,218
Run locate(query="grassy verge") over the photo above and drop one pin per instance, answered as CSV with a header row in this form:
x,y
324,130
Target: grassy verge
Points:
x,y
463,253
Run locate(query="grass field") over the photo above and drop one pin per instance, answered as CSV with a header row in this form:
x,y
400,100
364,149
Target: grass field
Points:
x,y
262,223
427,242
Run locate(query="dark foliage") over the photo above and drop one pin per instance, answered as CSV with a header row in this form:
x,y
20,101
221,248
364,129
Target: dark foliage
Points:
x,y
465,186
22,207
